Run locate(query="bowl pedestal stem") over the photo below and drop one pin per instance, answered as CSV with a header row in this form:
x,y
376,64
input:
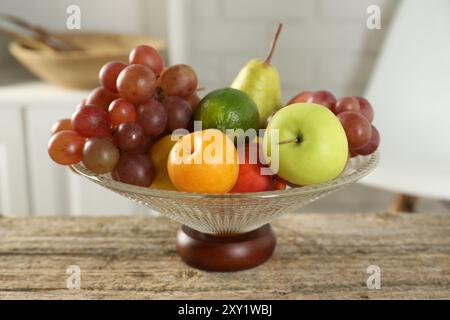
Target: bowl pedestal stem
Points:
x,y
224,253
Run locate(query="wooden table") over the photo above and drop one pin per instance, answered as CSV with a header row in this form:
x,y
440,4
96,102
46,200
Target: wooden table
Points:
x,y
318,256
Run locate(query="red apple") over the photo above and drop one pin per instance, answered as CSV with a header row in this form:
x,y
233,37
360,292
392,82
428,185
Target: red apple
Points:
x,y
250,178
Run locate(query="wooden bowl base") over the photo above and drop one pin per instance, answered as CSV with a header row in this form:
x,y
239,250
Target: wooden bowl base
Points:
x,y
224,253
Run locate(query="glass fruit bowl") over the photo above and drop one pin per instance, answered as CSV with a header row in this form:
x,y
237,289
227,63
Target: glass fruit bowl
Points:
x,y
228,232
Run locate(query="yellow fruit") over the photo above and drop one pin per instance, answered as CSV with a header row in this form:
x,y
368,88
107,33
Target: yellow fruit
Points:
x,y
159,153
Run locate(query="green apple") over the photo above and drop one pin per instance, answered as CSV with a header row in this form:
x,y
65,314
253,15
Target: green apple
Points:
x,y
311,146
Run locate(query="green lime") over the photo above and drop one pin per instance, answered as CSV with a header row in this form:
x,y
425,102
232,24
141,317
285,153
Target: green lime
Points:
x,y
227,108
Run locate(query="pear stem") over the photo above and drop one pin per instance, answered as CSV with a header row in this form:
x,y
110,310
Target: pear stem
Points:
x,y
273,44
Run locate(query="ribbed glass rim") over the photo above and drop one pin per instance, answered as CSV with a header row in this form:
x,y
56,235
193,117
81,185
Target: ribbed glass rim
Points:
x,y
368,163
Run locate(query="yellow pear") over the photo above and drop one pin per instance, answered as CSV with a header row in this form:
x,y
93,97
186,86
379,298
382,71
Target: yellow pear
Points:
x,y
261,81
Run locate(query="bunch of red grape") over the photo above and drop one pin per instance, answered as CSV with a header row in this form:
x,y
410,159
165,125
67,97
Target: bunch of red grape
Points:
x,y
356,116
113,129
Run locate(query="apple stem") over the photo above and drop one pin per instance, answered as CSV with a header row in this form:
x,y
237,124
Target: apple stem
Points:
x,y
288,141
273,44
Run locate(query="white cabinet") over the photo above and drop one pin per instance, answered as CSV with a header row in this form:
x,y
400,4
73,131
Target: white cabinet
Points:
x,y
30,183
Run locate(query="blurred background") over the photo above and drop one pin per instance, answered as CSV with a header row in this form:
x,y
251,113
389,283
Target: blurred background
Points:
x,y
325,44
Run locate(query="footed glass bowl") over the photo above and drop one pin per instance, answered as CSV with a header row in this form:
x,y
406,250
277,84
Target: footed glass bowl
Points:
x,y
229,232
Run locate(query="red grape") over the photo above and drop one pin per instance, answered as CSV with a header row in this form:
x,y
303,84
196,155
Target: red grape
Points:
x,y
179,113
365,108
193,100
152,117
178,80
345,104
60,125
100,155
109,73
145,146
324,98
100,97
147,56
301,97
136,169
81,104
114,175
357,128
91,121
136,83
121,111
66,147
352,153
129,136
372,145
190,126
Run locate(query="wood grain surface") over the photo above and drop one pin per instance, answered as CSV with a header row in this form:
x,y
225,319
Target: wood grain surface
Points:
x,y
318,256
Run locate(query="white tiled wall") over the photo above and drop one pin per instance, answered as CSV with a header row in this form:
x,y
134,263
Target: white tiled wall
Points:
x,y
325,44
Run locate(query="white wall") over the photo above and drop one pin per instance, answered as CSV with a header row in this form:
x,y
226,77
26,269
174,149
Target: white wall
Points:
x,y
325,43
